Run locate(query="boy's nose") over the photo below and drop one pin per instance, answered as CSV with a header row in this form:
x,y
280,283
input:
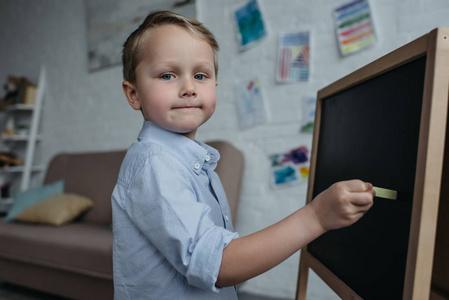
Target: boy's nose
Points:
x,y
189,93
187,89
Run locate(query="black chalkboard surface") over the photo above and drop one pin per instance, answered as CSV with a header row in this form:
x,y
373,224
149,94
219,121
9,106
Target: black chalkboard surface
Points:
x,y
386,124
370,132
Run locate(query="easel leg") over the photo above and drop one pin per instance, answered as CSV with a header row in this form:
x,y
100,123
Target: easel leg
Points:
x,y
303,276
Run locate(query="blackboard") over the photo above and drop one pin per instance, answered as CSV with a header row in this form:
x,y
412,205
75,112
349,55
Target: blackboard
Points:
x,y
384,124
370,132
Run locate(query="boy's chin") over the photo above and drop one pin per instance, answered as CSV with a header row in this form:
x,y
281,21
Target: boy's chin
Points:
x,y
188,131
189,134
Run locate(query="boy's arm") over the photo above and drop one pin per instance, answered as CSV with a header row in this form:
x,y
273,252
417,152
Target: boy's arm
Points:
x,y
339,206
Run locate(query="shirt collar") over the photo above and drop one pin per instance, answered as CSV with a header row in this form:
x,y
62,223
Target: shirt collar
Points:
x,y
195,155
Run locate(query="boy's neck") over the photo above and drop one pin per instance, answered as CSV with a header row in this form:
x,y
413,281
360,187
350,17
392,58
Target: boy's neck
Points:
x,y
190,135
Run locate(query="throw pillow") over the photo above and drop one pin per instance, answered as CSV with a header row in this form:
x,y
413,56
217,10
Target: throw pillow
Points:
x,y
56,210
25,199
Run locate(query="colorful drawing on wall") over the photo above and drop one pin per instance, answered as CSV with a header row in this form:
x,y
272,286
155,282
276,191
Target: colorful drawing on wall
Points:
x,y
354,26
249,24
290,168
110,22
308,114
251,103
293,58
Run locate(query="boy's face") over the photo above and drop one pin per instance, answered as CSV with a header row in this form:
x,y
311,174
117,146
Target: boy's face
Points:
x,y
176,81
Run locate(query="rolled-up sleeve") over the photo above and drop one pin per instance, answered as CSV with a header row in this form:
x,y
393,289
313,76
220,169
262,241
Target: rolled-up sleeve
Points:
x,y
164,205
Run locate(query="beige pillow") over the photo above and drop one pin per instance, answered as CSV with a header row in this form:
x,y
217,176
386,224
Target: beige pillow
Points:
x,y
56,210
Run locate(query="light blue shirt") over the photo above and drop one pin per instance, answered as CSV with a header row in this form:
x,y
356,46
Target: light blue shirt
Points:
x,y
171,220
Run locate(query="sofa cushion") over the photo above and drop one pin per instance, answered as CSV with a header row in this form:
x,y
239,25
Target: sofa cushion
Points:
x,y
77,247
56,210
93,175
25,199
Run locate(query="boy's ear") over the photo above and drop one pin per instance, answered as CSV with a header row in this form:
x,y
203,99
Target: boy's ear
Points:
x,y
131,94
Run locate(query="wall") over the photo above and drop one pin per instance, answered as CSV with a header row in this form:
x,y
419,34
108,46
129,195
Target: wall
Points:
x,y
87,111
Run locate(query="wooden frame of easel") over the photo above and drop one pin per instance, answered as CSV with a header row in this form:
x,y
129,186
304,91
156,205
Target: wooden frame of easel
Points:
x,y
429,168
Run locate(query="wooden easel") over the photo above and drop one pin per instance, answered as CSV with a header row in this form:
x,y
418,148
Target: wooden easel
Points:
x,y
424,278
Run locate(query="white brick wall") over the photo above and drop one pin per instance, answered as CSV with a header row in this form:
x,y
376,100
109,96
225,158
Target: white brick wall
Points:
x,y
87,111
397,22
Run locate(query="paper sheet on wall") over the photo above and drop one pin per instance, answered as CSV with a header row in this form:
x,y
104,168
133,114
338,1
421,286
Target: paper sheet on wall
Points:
x,y
110,22
308,114
293,57
354,26
251,103
290,168
249,24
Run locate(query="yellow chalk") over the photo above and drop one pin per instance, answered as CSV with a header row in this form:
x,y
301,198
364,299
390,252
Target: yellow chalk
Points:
x,y
385,193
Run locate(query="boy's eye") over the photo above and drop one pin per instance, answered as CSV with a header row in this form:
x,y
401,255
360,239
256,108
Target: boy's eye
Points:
x,y
199,76
167,76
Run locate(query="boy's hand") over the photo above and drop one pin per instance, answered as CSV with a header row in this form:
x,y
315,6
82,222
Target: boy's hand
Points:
x,y
343,203
340,205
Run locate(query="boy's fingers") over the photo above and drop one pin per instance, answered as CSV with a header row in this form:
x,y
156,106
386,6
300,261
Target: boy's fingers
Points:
x,y
363,198
361,214
358,186
366,207
362,194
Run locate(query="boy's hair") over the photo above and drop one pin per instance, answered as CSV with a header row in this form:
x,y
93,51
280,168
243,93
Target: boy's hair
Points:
x,y
132,50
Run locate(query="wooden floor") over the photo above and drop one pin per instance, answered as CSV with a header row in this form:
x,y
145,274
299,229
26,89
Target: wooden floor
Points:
x,y
12,292
257,297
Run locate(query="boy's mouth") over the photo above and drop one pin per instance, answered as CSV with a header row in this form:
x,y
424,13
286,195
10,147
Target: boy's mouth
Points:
x,y
186,107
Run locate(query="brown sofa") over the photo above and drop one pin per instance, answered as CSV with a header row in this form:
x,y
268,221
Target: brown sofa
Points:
x,y
75,260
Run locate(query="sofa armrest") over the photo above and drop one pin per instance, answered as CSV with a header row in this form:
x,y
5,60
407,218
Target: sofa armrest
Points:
x,y
230,170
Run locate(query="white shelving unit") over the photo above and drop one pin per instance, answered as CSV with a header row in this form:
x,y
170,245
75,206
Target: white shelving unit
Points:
x,y
26,141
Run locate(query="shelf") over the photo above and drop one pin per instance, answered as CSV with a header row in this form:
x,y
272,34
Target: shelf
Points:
x,y
20,138
29,115
5,204
24,107
6,200
19,169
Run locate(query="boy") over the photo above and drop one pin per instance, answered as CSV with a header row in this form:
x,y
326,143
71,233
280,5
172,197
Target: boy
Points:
x,y
173,238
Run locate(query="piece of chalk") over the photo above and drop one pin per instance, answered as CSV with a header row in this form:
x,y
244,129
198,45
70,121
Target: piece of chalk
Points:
x,y
385,193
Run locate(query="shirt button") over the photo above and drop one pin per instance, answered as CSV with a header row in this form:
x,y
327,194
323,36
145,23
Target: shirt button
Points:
x,y
207,158
227,218
197,166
